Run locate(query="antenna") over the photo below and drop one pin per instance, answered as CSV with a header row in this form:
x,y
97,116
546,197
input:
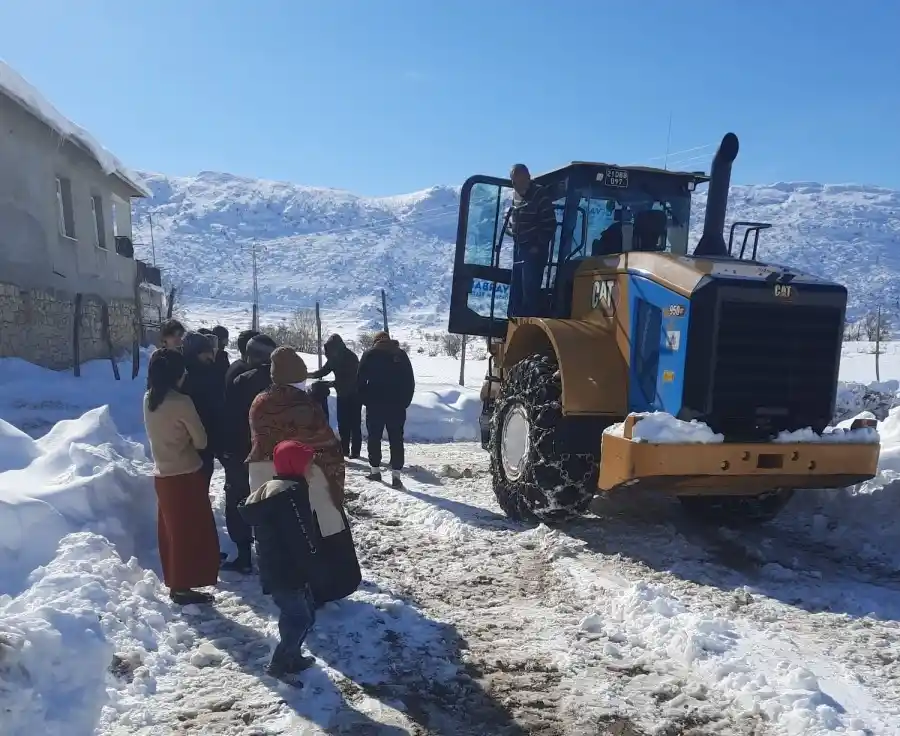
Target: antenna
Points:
x,y
668,142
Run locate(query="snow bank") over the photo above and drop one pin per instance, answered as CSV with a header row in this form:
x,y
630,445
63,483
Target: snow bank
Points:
x,y
14,85
34,399
441,410
17,449
834,435
861,518
854,398
59,637
647,627
441,413
82,475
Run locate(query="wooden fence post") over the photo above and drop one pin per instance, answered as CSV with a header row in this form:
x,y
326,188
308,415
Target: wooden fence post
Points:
x,y
76,337
107,338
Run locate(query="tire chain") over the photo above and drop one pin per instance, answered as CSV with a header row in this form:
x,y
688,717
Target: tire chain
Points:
x,y
529,386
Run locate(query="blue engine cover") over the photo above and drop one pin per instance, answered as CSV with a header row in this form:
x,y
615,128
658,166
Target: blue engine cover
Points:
x,y
659,321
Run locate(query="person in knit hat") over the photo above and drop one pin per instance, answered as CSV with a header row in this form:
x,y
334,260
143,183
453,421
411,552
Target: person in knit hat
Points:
x,y
288,368
304,549
386,386
281,515
284,411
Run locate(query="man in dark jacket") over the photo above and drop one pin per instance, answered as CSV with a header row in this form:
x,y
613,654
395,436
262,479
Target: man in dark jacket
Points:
x,y
343,362
222,361
240,365
239,396
533,227
386,387
202,385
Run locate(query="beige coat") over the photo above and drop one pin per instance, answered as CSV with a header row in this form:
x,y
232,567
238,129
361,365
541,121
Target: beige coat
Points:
x,y
175,433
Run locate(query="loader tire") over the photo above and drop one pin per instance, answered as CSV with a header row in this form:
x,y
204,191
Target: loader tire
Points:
x,y
737,511
543,465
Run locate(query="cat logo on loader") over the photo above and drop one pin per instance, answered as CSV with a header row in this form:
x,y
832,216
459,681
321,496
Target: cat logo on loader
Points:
x,y
783,291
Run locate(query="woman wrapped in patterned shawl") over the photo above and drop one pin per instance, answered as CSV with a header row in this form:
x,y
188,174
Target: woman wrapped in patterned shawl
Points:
x,y
286,412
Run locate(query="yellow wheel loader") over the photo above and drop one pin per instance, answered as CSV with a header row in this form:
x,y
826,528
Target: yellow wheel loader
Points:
x,y
631,326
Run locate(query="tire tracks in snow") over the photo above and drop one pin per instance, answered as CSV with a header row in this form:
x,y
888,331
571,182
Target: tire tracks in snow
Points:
x,y
511,692
498,584
766,594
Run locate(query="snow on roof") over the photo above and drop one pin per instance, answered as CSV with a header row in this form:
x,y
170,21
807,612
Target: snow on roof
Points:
x,y
17,88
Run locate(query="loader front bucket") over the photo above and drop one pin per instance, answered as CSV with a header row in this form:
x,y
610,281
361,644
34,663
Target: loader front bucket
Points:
x,y
686,469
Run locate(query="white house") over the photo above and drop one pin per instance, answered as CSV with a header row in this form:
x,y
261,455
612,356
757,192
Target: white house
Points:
x,y
65,230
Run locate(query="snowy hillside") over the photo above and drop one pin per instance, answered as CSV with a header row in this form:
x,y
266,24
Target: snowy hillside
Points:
x,y
341,248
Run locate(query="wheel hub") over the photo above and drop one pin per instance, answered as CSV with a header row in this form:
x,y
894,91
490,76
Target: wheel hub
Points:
x,y
514,442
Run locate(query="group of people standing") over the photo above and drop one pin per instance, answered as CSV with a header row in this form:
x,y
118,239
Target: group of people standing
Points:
x,y
284,467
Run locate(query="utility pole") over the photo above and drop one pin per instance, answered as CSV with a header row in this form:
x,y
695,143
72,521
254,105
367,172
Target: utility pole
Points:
x,y
878,331
152,242
319,334
383,310
255,318
878,344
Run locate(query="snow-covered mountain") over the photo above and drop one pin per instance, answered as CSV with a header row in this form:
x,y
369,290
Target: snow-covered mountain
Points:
x,y
340,248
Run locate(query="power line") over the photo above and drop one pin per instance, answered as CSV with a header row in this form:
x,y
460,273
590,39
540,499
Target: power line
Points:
x,y
675,154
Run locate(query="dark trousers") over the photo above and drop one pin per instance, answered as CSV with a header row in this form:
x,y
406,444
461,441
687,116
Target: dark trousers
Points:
x,y
323,402
392,419
296,616
208,458
349,420
525,298
237,488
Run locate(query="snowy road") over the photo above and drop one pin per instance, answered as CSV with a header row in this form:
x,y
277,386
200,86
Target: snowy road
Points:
x,y
636,623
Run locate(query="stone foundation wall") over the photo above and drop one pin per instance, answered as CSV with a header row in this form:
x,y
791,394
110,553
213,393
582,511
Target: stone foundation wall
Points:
x,y
37,325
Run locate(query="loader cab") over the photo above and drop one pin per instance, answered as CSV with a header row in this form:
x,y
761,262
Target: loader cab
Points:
x,y
601,209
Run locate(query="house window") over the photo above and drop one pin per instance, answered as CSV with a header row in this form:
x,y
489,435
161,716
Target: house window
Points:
x,y
99,223
64,203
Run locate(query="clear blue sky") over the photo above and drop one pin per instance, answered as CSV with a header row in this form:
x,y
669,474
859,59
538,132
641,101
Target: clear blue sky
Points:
x,y
391,96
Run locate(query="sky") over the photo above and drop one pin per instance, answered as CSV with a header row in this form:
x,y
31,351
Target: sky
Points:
x,y
398,95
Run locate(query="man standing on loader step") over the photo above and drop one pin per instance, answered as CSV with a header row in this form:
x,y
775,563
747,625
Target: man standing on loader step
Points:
x,y
533,227
386,387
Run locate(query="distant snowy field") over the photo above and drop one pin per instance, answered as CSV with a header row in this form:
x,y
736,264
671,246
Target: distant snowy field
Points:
x,y
807,643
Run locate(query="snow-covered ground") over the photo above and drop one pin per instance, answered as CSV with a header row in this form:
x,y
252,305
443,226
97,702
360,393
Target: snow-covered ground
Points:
x,y
635,620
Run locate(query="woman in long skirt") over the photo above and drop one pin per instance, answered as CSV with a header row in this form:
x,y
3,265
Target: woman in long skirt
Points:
x,y
188,541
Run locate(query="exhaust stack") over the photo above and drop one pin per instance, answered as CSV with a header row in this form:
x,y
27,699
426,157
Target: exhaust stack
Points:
x,y
712,242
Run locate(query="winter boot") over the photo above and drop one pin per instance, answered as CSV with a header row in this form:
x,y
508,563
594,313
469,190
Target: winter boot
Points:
x,y
396,481
289,669
241,563
374,474
189,597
